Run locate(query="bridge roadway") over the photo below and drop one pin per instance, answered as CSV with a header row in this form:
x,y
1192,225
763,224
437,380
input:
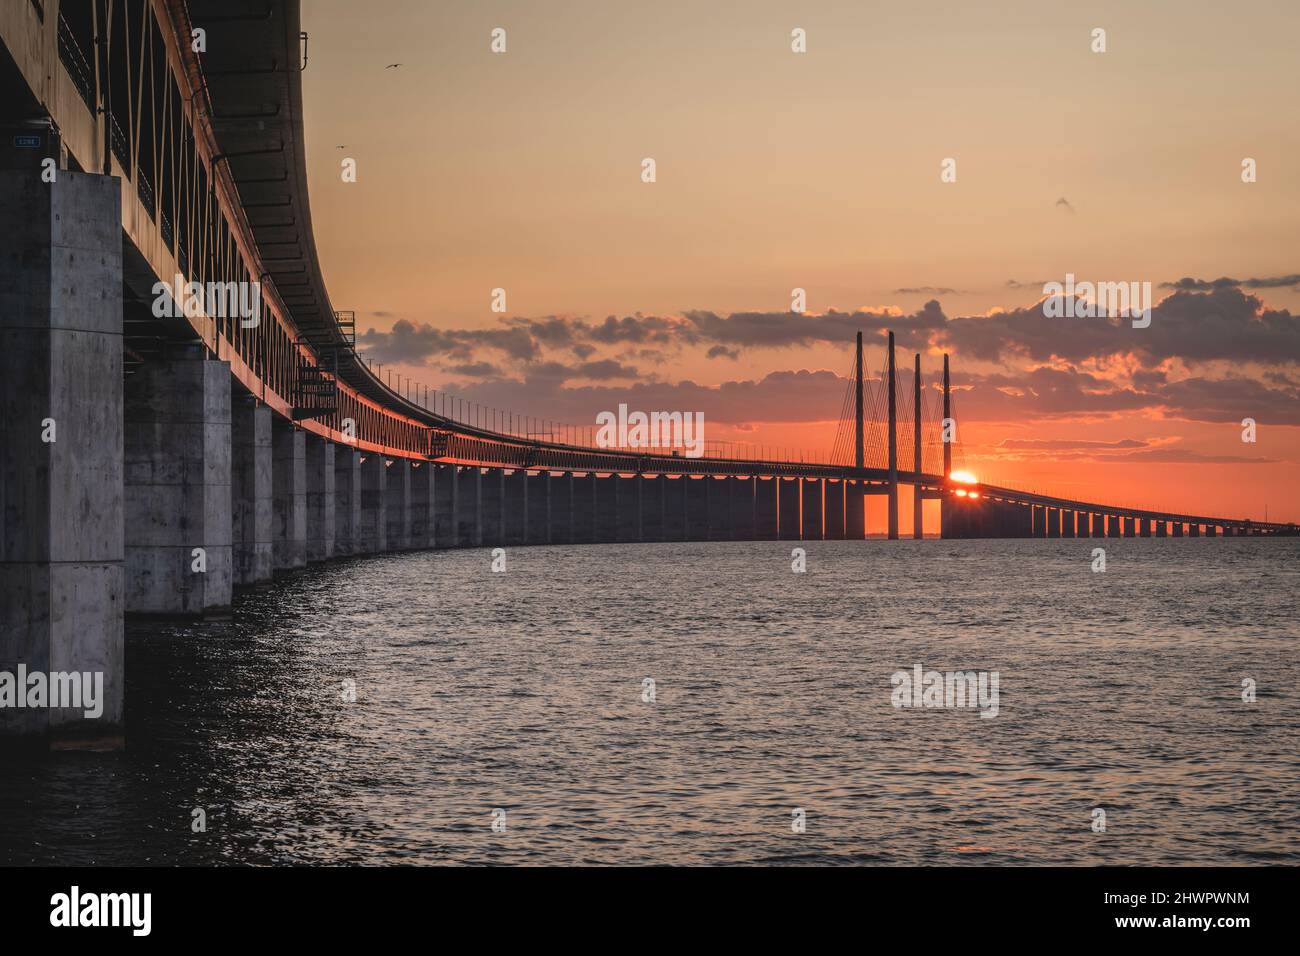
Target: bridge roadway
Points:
x,y
151,464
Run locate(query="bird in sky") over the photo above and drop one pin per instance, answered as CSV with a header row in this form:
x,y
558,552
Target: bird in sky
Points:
x,y
392,66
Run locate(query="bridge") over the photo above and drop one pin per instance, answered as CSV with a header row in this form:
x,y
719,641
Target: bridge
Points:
x,y
155,459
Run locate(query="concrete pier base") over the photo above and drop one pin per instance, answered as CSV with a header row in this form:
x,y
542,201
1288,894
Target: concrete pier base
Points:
x,y
855,516
516,520
423,506
559,492
717,509
697,509
469,513
584,509
790,523
397,504
61,500
179,557
812,503
289,495
742,508
1178,529
250,491
347,501
539,507
833,521
373,535
607,509
320,500
766,521
494,507
445,496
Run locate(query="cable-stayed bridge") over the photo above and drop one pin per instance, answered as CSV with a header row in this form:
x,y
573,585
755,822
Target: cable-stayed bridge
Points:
x,y
162,449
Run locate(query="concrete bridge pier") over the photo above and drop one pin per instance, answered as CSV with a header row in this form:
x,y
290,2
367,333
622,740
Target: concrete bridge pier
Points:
x,y
629,507
397,504
1129,530
607,509
1211,530
289,495
584,508
250,491
423,506
517,508
445,495
855,517
1229,531
1112,526
652,507
697,509
743,508
1053,518
767,525
559,492
1193,530
1144,527
320,499
1067,523
834,511
494,507
61,519
1162,529
179,529
347,500
1178,529
539,507
813,508
469,513
373,538
717,511
790,528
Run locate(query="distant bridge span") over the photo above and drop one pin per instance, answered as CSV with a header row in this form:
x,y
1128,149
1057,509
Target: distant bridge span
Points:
x,y
153,462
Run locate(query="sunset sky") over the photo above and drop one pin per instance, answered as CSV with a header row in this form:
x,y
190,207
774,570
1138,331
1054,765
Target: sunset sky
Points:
x,y
821,171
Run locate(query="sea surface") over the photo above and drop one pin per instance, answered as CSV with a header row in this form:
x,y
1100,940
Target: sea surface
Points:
x,y
525,692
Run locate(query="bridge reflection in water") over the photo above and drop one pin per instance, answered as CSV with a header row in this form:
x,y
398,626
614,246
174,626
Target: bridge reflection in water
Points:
x,y
154,462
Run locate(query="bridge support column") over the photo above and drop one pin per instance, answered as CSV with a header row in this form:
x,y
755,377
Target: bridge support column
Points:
x,y
250,491
584,508
1040,521
1129,530
855,517
742,508
607,509
469,514
320,499
767,525
347,500
374,505
628,502
697,509
494,507
61,523
652,507
1193,530
560,492
539,507
289,495
813,508
1162,529
1144,527
1211,530
1228,531
397,504
516,520
1053,522
790,524
178,497
423,505
717,510
834,505
445,496
1068,525
1178,529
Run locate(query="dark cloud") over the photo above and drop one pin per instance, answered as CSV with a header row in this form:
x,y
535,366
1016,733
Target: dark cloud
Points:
x,y
721,351
1188,284
1066,444
927,290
